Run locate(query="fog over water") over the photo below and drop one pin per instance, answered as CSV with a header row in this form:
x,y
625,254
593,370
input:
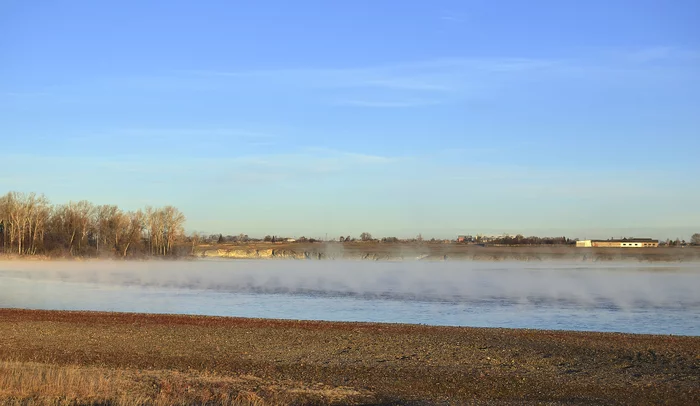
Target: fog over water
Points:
x,y
659,298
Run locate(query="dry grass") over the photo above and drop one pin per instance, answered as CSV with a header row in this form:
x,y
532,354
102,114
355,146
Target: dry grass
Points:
x,y
31,383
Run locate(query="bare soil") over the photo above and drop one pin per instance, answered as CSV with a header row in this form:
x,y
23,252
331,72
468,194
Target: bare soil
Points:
x,y
361,363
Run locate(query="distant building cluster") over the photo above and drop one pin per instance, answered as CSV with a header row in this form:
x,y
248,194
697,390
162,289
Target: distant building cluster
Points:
x,y
512,240
481,238
619,243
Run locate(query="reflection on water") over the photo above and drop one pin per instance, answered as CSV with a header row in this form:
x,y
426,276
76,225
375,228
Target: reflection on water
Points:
x,y
617,297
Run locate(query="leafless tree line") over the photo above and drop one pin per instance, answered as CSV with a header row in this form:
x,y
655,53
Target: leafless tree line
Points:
x,y
31,225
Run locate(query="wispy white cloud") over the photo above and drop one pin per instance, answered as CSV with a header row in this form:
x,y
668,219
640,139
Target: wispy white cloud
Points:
x,y
393,85
660,54
261,143
402,75
452,16
366,158
389,103
31,97
404,83
455,73
349,158
302,162
165,134
193,132
447,80
23,95
299,163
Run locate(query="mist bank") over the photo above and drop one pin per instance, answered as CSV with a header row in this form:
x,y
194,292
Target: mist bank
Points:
x,y
619,285
442,252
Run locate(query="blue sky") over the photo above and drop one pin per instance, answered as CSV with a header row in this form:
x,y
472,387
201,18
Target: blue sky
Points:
x,y
393,117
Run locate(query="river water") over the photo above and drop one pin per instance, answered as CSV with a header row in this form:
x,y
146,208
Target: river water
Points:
x,y
611,296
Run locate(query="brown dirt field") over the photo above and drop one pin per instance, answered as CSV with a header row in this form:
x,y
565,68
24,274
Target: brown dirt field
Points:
x,y
310,362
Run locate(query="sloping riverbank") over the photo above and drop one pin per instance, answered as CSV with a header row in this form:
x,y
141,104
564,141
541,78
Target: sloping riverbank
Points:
x,y
442,252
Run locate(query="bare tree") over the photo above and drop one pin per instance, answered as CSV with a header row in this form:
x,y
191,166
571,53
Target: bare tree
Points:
x,y
134,233
195,239
38,212
174,221
64,225
24,218
165,227
14,210
29,225
73,223
695,239
5,210
366,237
152,227
110,224
84,211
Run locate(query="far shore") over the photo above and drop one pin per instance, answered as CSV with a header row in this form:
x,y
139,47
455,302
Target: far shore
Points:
x,y
403,252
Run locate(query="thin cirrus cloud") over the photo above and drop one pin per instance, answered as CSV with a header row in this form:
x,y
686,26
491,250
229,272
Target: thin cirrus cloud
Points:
x,y
388,103
407,84
661,53
437,75
301,161
401,84
410,84
453,18
444,80
172,138
155,173
447,74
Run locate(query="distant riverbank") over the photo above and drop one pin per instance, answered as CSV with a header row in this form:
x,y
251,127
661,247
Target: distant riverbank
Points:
x,y
441,252
404,252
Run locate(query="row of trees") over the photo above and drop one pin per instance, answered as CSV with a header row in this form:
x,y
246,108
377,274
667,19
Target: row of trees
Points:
x,y
31,225
678,242
367,237
533,240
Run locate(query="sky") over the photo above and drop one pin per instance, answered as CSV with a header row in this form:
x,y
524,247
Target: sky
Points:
x,y
545,117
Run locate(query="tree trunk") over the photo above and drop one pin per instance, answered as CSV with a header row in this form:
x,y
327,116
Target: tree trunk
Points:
x,y
70,245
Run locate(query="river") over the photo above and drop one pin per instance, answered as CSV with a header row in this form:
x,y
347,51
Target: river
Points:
x,y
662,298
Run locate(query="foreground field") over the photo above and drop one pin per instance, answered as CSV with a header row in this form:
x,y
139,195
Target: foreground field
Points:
x,y
49,357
